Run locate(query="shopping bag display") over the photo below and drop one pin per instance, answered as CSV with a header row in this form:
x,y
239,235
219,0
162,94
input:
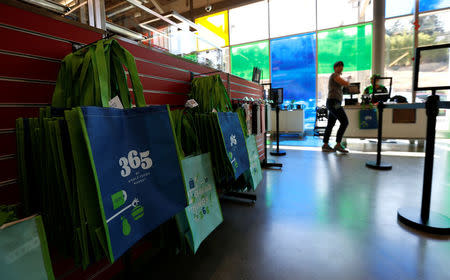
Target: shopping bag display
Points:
x,y
24,251
203,214
136,169
234,142
368,119
255,164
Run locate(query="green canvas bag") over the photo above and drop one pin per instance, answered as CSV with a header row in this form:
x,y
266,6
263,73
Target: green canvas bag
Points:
x,y
255,164
24,251
203,214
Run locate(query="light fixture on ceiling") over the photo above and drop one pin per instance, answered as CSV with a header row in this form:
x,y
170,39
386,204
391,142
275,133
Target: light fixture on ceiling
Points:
x,y
122,10
154,30
76,8
178,17
49,5
124,31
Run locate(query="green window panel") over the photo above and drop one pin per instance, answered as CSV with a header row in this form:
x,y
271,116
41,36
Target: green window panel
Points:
x,y
352,45
245,57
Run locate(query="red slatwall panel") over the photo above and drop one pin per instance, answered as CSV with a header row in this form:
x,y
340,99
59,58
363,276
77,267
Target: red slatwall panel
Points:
x,y
8,144
29,64
29,68
8,168
17,17
36,45
25,92
9,194
161,99
9,115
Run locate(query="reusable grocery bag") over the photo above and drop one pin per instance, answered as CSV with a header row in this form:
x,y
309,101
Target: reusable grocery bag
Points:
x,y
24,251
368,119
255,164
203,214
134,161
234,142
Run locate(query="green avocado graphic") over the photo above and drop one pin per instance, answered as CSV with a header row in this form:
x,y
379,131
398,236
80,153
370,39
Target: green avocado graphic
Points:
x,y
126,228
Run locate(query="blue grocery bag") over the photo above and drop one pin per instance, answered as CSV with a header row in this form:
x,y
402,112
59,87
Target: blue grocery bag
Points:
x,y
234,141
368,119
137,171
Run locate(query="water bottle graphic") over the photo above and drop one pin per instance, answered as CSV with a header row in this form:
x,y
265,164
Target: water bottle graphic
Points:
x,y
126,228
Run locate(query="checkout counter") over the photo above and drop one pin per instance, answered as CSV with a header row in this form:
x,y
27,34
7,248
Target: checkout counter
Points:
x,y
397,123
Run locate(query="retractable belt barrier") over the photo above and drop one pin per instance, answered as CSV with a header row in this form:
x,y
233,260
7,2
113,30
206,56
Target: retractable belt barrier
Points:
x,y
424,220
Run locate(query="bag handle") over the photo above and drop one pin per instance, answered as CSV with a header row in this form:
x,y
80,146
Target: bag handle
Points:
x,y
128,60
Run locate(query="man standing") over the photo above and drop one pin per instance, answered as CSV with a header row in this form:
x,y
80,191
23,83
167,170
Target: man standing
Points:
x,y
335,110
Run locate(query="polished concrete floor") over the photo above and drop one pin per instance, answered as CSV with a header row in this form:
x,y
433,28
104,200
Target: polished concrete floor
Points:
x,y
325,216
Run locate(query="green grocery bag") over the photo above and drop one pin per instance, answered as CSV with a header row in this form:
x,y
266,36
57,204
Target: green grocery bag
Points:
x,y
203,214
210,94
23,250
255,164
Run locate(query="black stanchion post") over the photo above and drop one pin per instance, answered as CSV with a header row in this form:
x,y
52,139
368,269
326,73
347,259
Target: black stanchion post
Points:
x,y
378,164
265,163
425,220
278,128
380,130
278,152
432,110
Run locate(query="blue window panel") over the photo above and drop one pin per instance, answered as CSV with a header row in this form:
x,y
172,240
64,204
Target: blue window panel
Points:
x,y
428,5
396,8
294,69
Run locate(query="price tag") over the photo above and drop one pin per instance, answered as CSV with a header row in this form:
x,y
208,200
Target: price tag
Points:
x,y
115,103
191,103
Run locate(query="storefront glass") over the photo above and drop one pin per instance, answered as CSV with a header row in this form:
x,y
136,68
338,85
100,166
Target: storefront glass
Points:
x,y
399,54
249,23
353,46
334,13
395,8
291,16
245,57
294,69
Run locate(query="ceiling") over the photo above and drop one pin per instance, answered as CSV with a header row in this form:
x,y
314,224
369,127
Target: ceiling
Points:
x,y
126,15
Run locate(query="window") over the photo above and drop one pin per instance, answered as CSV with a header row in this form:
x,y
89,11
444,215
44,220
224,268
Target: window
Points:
x,y
181,41
352,45
245,57
333,13
291,16
249,23
395,8
214,58
294,69
428,5
434,30
399,53
215,31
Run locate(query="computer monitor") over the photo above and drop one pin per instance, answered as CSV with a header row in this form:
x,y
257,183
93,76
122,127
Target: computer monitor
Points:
x,y
353,88
379,94
276,95
256,77
431,68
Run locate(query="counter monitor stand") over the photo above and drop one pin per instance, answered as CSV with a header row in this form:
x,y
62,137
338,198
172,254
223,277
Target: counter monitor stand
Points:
x,y
276,95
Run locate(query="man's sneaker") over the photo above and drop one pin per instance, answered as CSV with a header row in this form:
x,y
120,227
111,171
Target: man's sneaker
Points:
x,y
341,149
327,148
